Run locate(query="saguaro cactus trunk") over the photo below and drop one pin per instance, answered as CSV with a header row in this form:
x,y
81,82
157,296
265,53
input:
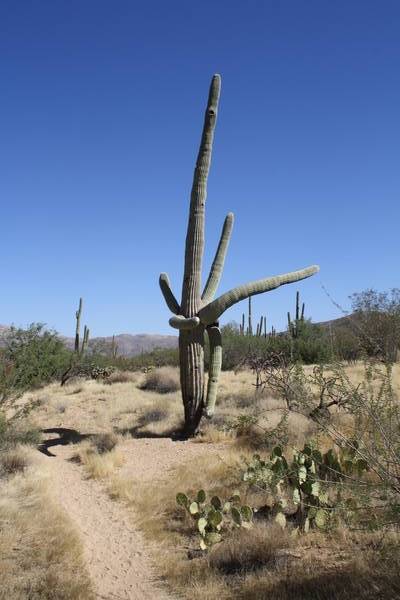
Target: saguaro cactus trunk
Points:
x,y
199,312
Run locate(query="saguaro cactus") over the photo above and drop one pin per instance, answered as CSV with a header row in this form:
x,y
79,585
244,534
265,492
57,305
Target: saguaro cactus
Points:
x,y
198,311
78,325
294,328
80,348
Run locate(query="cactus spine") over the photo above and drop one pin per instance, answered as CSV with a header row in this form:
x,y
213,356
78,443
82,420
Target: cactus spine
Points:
x,y
198,312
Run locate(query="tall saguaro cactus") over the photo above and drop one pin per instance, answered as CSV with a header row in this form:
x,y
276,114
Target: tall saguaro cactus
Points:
x,y
80,348
198,312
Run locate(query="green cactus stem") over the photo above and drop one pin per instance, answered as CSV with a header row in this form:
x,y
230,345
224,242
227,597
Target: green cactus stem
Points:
x,y
219,260
168,295
294,327
250,325
199,312
78,325
114,348
214,336
85,340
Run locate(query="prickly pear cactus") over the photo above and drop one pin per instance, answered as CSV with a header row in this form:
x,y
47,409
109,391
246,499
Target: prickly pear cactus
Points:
x,y
214,518
306,482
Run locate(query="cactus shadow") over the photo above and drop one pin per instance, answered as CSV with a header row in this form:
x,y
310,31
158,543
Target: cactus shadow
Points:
x,y
138,431
66,436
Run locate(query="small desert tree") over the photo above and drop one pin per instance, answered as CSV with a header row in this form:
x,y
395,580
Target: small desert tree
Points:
x,y
198,311
377,317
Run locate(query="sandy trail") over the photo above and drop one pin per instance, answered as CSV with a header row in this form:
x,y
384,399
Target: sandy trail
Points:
x,y
117,558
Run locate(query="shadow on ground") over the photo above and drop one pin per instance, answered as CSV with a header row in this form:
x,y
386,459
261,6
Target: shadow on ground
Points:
x,y
66,436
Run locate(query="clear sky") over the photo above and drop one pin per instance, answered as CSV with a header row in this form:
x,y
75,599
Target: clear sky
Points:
x,y
101,113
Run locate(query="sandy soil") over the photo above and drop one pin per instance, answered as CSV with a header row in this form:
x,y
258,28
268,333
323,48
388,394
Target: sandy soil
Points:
x,y
118,560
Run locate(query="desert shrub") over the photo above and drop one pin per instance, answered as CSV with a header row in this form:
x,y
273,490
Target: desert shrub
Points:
x,y
153,415
162,380
84,367
14,460
29,359
104,442
376,321
13,433
119,377
311,346
370,440
250,549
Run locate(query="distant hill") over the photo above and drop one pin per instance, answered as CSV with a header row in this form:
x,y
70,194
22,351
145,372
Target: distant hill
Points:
x,y
128,344
132,344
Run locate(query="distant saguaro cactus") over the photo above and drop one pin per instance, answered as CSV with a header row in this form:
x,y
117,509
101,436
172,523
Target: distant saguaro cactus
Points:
x,y
80,349
198,311
114,348
294,327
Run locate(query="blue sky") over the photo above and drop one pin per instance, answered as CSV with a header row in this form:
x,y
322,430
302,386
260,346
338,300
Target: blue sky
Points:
x,y
101,113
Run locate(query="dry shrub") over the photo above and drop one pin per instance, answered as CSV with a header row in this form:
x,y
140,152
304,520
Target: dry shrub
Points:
x,y
99,465
251,549
163,380
272,430
120,377
14,460
153,415
105,442
212,432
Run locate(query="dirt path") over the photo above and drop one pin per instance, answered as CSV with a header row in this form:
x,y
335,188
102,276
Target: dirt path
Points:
x,y
117,558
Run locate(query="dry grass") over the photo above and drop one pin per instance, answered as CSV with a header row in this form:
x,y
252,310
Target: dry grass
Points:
x,y
163,380
248,550
15,460
40,552
99,464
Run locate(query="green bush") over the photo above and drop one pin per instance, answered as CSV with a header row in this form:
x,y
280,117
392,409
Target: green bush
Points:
x,y
311,346
12,434
29,359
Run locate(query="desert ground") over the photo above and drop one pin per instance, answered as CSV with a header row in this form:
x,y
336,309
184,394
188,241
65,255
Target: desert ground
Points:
x,y
91,511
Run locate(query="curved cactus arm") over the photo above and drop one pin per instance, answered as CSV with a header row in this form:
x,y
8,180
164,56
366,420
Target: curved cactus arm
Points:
x,y
219,259
181,322
214,370
210,313
168,294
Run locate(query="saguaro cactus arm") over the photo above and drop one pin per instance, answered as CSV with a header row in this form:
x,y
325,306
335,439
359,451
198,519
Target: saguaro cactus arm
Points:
x,y
219,260
191,292
169,297
211,313
214,369
181,322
